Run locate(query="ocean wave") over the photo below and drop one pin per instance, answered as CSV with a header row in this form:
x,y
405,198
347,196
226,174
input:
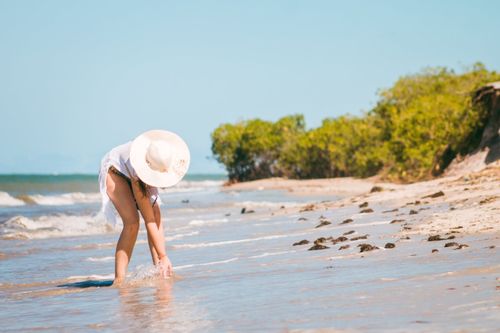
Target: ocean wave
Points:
x,y
193,186
180,236
61,225
206,264
267,204
100,259
61,199
269,254
7,200
199,223
222,243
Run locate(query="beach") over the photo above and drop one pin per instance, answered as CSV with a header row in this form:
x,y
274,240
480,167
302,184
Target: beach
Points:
x,y
273,255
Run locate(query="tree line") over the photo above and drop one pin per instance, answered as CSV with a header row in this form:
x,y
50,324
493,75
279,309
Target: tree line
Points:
x,y
413,132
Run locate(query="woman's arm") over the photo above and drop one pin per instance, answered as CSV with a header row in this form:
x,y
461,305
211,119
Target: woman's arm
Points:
x,y
155,234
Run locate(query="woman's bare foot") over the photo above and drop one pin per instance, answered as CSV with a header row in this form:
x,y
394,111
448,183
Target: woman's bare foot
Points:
x,y
118,282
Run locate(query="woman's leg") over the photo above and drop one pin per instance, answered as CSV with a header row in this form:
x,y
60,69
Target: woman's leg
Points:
x,y
119,192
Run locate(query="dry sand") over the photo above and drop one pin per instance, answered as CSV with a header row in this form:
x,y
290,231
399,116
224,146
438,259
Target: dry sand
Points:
x,y
473,199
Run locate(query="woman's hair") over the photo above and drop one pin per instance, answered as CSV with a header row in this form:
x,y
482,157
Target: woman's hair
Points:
x,y
144,188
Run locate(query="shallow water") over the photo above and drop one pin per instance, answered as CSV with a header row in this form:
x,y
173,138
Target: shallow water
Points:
x,y
238,272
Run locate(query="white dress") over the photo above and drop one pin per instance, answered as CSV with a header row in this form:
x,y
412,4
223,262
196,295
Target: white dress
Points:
x,y
119,157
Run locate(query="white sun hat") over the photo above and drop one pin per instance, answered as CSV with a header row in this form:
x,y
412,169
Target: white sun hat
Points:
x,y
160,158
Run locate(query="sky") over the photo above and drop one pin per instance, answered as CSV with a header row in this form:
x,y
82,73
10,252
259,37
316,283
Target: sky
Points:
x,y
80,77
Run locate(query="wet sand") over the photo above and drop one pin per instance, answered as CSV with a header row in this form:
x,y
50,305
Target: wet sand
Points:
x,y
280,256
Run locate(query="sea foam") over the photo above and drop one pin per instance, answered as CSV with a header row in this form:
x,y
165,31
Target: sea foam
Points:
x,y
48,226
62,199
7,200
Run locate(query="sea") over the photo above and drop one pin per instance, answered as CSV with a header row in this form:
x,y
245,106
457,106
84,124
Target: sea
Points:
x,y
235,266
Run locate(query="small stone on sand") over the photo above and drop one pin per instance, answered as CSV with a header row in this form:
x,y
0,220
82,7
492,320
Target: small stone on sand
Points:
x,y
318,247
376,189
349,232
323,223
302,242
308,208
434,195
347,221
245,211
366,247
367,210
344,247
435,238
390,246
363,205
359,237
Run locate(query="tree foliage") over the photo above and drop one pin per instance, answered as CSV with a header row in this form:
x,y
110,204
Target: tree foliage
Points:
x,y
416,128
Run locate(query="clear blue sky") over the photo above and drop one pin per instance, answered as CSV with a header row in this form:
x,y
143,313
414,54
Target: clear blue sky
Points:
x,y
79,77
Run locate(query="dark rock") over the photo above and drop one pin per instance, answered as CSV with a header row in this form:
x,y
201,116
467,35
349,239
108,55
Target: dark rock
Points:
x,y
318,247
367,210
376,189
302,219
451,237
413,212
391,210
405,237
461,246
450,244
347,221
363,205
435,238
308,208
245,211
320,240
185,201
434,195
459,227
359,237
282,207
344,247
397,221
390,245
340,239
406,228
349,232
366,247
302,242
323,223
488,200
435,250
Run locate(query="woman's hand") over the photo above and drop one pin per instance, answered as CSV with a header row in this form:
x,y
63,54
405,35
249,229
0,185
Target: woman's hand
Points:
x,y
165,267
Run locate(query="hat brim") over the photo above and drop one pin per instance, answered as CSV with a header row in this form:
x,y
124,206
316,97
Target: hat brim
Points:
x,y
180,159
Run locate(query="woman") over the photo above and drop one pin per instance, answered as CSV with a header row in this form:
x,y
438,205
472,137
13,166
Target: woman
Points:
x,y
129,179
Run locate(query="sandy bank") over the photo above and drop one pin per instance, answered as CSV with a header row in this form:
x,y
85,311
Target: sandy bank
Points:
x,y
471,199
